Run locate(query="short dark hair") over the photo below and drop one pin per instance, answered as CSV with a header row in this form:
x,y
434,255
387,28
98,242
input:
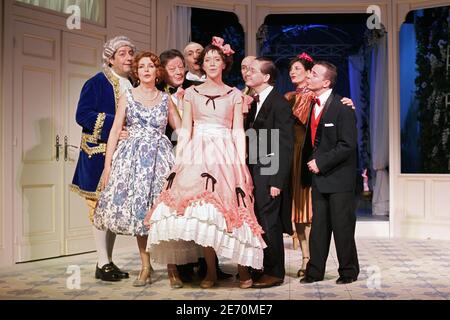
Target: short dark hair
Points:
x,y
331,73
268,67
168,55
228,60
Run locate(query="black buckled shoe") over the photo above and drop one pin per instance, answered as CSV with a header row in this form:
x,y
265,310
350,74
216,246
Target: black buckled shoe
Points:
x,y
345,280
307,279
106,273
122,274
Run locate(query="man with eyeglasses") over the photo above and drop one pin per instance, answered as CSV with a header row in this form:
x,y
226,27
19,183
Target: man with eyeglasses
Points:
x,y
270,118
245,65
173,77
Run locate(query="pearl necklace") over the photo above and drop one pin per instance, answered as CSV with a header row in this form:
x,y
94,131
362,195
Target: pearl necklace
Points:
x,y
146,98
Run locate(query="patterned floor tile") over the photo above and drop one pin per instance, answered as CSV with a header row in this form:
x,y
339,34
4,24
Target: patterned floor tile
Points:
x,y
390,269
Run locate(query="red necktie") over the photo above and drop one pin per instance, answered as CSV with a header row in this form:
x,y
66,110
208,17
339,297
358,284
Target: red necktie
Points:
x,y
256,98
316,101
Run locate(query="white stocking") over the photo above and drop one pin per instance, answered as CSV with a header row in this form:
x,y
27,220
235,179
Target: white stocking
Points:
x,y
101,246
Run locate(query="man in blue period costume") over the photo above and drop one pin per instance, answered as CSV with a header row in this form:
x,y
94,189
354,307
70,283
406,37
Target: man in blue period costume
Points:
x,y
95,114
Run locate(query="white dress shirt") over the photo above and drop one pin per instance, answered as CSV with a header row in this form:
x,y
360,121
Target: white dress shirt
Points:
x,y
178,103
323,99
124,83
262,97
193,77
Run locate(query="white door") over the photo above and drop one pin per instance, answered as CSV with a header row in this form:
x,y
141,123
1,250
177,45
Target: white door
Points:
x,y
50,68
81,59
38,161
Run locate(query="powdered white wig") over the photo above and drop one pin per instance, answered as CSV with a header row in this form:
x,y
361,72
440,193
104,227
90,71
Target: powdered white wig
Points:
x,y
112,45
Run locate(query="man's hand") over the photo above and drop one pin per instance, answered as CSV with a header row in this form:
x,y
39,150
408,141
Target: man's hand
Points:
x,y
313,166
274,192
123,134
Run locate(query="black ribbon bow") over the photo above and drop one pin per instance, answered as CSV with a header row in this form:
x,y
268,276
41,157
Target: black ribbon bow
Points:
x,y
170,179
240,192
208,177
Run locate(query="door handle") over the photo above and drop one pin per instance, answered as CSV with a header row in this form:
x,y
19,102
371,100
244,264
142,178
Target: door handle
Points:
x,y
66,148
57,146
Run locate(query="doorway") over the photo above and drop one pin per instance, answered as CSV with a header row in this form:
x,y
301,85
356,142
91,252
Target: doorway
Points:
x,y
360,55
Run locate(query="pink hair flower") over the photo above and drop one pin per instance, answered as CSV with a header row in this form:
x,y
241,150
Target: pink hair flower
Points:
x,y
227,50
305,56
219,42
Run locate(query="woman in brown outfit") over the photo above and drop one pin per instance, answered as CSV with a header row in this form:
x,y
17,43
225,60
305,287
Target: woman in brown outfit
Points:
x,y
300,99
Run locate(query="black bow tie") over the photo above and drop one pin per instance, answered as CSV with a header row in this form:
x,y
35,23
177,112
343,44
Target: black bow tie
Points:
x,y
171,90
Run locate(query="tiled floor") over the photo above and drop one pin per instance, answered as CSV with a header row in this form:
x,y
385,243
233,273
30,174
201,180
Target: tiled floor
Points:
x,y
390,269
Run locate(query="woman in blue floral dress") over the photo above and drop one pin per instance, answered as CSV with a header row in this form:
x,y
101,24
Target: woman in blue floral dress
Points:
x,y
136,167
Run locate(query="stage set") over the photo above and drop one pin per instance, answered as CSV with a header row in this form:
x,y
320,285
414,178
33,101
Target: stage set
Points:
x,y
393,60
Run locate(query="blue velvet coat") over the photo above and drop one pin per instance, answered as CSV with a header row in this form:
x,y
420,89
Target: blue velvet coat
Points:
x,y
95,114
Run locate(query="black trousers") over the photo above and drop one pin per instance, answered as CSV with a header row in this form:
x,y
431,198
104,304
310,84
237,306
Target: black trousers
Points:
x,y
268,214
333,213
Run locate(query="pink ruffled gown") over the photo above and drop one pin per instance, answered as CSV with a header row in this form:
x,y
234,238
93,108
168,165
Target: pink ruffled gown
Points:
x,y
206,199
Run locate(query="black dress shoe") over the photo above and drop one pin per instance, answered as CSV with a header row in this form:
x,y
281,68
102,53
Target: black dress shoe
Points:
x,y
308,279
201,272
185,272
345,280
222,275
106,273
256,274
122,274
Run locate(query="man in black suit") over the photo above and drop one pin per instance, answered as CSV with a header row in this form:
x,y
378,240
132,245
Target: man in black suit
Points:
x,y
194,75
329,153
270,130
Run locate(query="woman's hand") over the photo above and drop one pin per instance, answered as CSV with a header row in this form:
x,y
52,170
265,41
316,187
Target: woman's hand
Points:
x,y
123,134
105,178
348,102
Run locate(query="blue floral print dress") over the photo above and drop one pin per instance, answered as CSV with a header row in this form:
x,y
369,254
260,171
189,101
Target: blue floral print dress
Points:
x,y
139,169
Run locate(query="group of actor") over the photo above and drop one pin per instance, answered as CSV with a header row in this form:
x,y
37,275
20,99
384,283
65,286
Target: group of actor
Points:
x,y
200,172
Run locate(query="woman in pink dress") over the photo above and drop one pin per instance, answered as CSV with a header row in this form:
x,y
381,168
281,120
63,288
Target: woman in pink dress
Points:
x,y
208,195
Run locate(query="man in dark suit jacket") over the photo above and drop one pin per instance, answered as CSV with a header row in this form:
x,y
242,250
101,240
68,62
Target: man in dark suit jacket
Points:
x,y
329,154
270,130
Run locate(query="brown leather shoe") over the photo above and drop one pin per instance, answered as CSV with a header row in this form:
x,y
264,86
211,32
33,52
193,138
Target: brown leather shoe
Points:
x,y
174,278
246,284
267,281
207,284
